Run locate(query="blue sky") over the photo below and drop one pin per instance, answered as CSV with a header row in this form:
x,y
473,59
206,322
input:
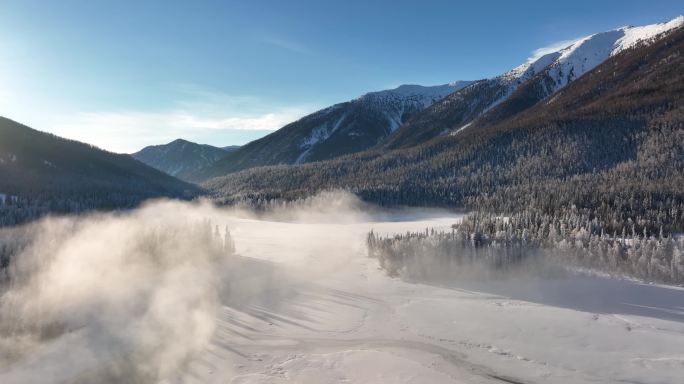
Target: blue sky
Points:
x,y
125,74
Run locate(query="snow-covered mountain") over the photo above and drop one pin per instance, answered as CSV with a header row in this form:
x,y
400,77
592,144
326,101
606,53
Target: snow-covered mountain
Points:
x,y
548,74
341,129
179,156
398,103
387,110
412,114
586,53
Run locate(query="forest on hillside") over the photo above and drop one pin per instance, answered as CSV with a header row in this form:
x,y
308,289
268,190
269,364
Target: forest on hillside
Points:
x,y
43,174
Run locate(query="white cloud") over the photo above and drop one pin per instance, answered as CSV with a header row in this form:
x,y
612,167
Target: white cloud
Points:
x,y
269,121
553,47
195,113
129,131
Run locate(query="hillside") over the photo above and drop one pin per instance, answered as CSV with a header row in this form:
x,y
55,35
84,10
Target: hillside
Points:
x,y
46,173
611,142
338,130
492,100
180,156
410,115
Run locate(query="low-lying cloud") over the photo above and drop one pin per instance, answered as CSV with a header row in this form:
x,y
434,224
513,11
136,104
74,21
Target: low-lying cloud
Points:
x,y
129,131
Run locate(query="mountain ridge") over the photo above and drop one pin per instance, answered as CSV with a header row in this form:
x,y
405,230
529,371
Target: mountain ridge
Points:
x,y
460,109
610,144
337,130
179,156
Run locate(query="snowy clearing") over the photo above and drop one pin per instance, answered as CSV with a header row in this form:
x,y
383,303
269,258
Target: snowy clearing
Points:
x,y
332,316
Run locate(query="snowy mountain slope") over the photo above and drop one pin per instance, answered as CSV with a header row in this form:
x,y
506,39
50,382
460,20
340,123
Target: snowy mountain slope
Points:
x,y
396,103
410,114
179,156
387,110
635,35
341,129
550,72
573,61
616,128
586,53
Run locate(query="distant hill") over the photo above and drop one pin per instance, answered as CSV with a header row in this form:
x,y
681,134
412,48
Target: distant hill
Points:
x,y
45,173
338,130
181,156
231,148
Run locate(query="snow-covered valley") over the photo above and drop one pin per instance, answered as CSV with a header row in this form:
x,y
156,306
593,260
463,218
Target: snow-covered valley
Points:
x,y
300,302
344,320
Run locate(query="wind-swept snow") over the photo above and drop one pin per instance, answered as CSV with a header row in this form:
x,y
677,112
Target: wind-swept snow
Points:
x,y
634,35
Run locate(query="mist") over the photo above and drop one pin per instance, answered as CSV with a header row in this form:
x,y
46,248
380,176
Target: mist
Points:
x,y
131,297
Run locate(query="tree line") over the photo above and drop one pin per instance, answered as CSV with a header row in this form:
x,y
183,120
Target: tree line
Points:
x,y
573,239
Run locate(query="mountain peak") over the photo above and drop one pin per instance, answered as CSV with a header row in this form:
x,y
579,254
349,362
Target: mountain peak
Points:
x,y
180,141
179,155
591,50
416,94
541,76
